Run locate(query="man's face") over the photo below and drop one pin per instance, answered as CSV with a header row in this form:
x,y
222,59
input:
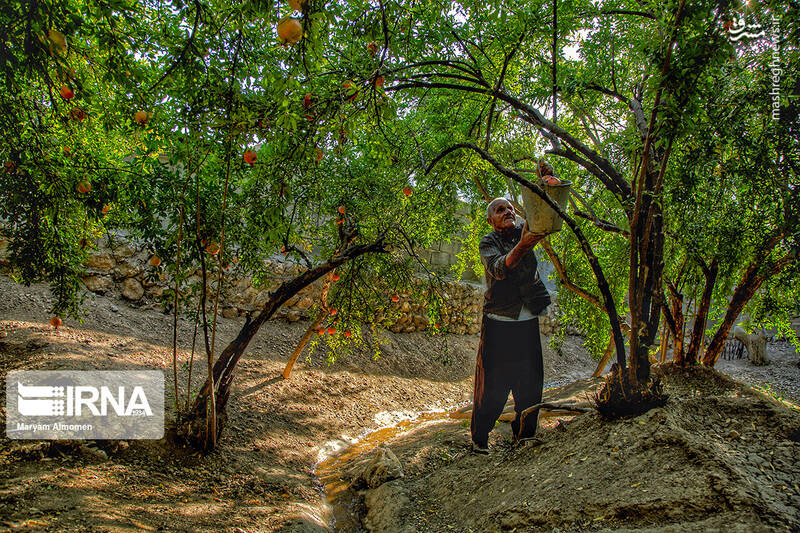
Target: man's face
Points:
x,y
501,216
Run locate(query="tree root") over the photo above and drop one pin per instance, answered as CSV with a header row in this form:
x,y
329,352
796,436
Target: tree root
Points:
x,y
192,429
619,398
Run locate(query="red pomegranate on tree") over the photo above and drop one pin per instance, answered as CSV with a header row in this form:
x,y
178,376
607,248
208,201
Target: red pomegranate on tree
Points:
x,y
290,30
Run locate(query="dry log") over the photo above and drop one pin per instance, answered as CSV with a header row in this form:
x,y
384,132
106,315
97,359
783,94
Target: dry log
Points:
x,y
566,407
547,410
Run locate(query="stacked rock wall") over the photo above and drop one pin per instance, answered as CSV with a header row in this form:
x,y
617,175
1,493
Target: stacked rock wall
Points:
x,y
125,271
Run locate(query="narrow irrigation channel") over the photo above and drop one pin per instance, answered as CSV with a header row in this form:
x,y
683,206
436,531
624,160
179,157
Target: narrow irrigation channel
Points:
x,y
344,505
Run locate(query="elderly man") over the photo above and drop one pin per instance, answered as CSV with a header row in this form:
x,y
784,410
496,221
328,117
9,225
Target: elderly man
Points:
x,y
510,351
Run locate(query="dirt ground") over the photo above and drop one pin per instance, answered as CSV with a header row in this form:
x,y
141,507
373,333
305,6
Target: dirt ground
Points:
x,y
779,378
711,457
718,457
261,478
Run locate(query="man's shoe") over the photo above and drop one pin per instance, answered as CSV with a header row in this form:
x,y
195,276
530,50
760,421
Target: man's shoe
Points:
x,y
482,450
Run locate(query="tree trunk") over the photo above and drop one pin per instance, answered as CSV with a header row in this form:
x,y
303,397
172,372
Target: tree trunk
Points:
x,y
193,425
647,231
702,313
756,345
741,296
645,308
677,313
750,283
646,269
664,342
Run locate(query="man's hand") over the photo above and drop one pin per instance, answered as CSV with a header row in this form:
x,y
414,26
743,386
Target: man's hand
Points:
x,y
527,241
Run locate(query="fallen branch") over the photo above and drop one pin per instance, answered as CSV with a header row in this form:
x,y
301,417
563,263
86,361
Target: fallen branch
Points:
x,y
566,407
550,409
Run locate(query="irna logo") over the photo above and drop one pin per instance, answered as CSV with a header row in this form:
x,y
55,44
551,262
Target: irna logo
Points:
x,y
85,404
38,400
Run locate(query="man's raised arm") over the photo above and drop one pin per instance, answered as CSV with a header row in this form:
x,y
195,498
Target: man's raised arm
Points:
x,y
526,242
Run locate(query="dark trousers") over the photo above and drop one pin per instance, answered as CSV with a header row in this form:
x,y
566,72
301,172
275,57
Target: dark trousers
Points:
x,y
509,359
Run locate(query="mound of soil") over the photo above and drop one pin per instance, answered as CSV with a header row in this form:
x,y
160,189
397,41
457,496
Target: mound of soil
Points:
x,y
719,456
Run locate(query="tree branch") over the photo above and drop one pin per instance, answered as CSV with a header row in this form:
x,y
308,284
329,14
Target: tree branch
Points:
x,y
588,165
184,50
604,225
223,368
633,104
628,12
602,283
424,75
565,281
613,180
497,86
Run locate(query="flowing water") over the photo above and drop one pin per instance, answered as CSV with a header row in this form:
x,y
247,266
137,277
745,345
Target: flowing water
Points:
x,y
332,470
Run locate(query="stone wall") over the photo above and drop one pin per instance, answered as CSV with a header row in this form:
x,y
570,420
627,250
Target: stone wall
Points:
x,y
125,271
442,256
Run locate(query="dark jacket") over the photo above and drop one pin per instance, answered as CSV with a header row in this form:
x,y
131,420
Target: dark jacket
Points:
x,y
507,289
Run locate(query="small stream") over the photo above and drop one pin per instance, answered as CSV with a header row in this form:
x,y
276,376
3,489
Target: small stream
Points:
x,y
344,504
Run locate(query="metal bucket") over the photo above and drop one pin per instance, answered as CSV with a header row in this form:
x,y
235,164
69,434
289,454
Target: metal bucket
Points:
x,y
541,217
